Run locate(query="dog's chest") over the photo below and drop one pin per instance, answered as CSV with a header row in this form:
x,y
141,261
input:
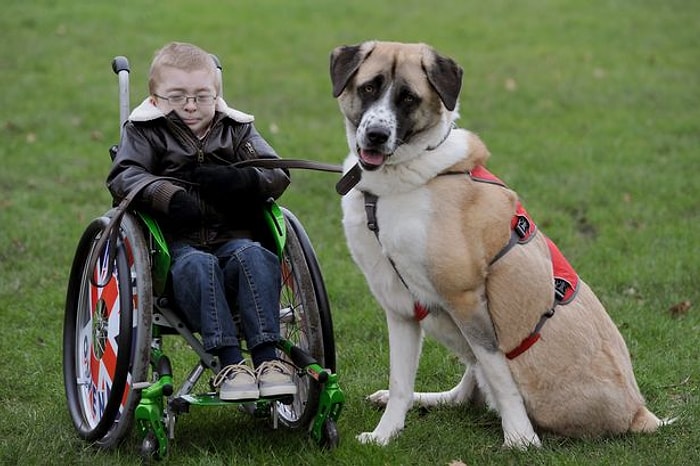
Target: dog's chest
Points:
x,y
403,223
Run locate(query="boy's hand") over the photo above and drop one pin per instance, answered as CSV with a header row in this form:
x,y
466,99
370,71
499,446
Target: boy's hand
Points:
x,y
184,208
221,183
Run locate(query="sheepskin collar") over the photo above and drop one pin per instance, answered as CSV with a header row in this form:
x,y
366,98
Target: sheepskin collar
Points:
x,y
146,111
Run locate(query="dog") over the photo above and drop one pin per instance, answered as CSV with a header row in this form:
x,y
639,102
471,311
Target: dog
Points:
x,y
435,235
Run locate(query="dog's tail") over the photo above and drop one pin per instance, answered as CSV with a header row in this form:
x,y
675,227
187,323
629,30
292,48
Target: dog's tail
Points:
x,y
646,421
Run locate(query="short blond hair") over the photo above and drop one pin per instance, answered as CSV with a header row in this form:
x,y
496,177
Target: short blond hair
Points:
x,y
182,56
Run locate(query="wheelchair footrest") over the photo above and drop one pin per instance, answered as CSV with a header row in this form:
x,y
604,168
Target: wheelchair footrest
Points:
x,y
183,402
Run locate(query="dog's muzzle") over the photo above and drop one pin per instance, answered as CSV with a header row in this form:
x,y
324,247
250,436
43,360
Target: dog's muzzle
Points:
x,y
372,147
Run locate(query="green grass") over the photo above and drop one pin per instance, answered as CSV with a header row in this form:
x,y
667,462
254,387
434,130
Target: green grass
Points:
x,y
590,112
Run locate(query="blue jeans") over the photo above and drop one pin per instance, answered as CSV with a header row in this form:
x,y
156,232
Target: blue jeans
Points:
x,y
242,276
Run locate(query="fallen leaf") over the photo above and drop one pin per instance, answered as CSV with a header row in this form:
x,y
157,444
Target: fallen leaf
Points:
x,y
680,309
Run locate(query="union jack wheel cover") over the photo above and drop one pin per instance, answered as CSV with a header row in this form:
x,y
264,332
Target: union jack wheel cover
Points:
x,y
98,332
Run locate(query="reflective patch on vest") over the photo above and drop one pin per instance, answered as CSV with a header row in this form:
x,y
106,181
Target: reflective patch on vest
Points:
x,y
522,224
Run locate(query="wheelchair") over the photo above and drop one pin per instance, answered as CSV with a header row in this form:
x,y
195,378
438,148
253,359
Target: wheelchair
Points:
x,y
118,315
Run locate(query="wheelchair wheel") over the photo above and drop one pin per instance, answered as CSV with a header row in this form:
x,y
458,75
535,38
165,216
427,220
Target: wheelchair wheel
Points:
x,y
106,333
305,319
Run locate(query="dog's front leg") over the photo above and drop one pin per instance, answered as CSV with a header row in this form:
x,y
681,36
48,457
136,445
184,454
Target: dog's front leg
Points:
x,y
440,326
405,341
517,428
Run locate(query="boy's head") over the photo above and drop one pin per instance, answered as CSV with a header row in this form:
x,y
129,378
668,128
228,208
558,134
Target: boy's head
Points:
x,y
184,79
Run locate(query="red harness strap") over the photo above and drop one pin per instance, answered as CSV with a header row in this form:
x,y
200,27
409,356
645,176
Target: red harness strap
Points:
x,y
419,311
524,345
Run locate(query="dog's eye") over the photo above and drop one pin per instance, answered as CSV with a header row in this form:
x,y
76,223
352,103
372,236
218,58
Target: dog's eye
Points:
x,y
408,98
368,89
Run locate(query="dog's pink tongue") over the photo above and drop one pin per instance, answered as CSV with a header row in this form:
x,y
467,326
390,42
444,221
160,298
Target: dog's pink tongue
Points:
x,y
371,157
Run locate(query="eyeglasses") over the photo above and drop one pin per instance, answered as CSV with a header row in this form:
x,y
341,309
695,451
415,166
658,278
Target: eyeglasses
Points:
x,y
182,99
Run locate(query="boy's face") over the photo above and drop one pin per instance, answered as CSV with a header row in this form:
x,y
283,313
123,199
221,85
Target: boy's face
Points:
x,y
196,115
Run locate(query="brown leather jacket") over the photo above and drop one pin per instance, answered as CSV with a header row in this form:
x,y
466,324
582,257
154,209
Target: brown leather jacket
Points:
x,y
154,145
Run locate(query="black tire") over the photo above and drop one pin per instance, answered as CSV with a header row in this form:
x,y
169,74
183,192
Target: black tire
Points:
x,y
99,368
330,438
307,323
150,449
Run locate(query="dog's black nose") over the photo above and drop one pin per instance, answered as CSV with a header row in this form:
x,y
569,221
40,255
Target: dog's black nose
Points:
x,y
377,135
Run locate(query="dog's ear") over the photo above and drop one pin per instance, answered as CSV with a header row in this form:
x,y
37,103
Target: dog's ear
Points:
x,y
445,76
345,60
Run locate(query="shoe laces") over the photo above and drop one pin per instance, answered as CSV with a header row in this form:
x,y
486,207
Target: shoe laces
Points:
x,y
230,372
273,365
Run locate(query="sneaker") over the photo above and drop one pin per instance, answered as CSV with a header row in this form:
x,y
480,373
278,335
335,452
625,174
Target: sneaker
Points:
x,y
275,379
237,382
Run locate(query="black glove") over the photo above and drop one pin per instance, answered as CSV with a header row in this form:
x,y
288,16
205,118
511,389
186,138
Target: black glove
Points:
x,y
224,184
184,210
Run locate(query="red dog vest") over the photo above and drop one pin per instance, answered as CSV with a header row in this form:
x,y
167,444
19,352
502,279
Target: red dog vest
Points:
x,y
523,229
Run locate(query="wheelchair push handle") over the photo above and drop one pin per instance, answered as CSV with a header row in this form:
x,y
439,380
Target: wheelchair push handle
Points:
x,y
219,73
120,66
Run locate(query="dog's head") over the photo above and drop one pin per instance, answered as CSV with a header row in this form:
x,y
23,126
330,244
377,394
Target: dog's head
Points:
x,y
398,99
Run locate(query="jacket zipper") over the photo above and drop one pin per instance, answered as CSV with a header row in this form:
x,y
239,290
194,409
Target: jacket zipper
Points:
x,y
200,161
198,144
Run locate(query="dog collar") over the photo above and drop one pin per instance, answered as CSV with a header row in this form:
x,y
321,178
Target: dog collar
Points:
x,y
444,138
354,175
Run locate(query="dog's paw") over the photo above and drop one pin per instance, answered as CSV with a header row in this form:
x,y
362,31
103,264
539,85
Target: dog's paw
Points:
x,y
371,438
379,398
521,442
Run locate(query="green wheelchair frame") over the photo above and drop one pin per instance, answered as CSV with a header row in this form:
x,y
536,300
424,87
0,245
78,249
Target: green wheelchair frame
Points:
x,y
116,372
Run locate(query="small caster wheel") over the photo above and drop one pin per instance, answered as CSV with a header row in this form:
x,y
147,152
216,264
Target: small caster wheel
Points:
x,y
329,435
150,450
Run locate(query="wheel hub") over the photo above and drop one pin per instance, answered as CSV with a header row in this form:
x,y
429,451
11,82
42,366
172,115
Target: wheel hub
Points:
x,y
99,328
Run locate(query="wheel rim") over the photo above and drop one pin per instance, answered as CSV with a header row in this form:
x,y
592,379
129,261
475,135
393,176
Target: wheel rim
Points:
x,y
305,320
294,328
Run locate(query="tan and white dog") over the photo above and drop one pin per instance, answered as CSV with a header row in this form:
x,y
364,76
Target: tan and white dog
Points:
x,y
433,242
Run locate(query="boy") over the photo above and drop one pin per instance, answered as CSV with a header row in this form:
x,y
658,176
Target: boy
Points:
x,y
185,130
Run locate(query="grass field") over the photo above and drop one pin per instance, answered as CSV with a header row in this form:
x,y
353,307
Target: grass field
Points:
x,y
590,110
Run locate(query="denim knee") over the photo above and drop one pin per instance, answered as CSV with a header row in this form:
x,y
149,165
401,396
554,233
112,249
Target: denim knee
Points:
x,y
252,273
198,288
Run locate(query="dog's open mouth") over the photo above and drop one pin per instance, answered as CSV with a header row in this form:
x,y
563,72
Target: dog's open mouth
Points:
x,y
371,159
